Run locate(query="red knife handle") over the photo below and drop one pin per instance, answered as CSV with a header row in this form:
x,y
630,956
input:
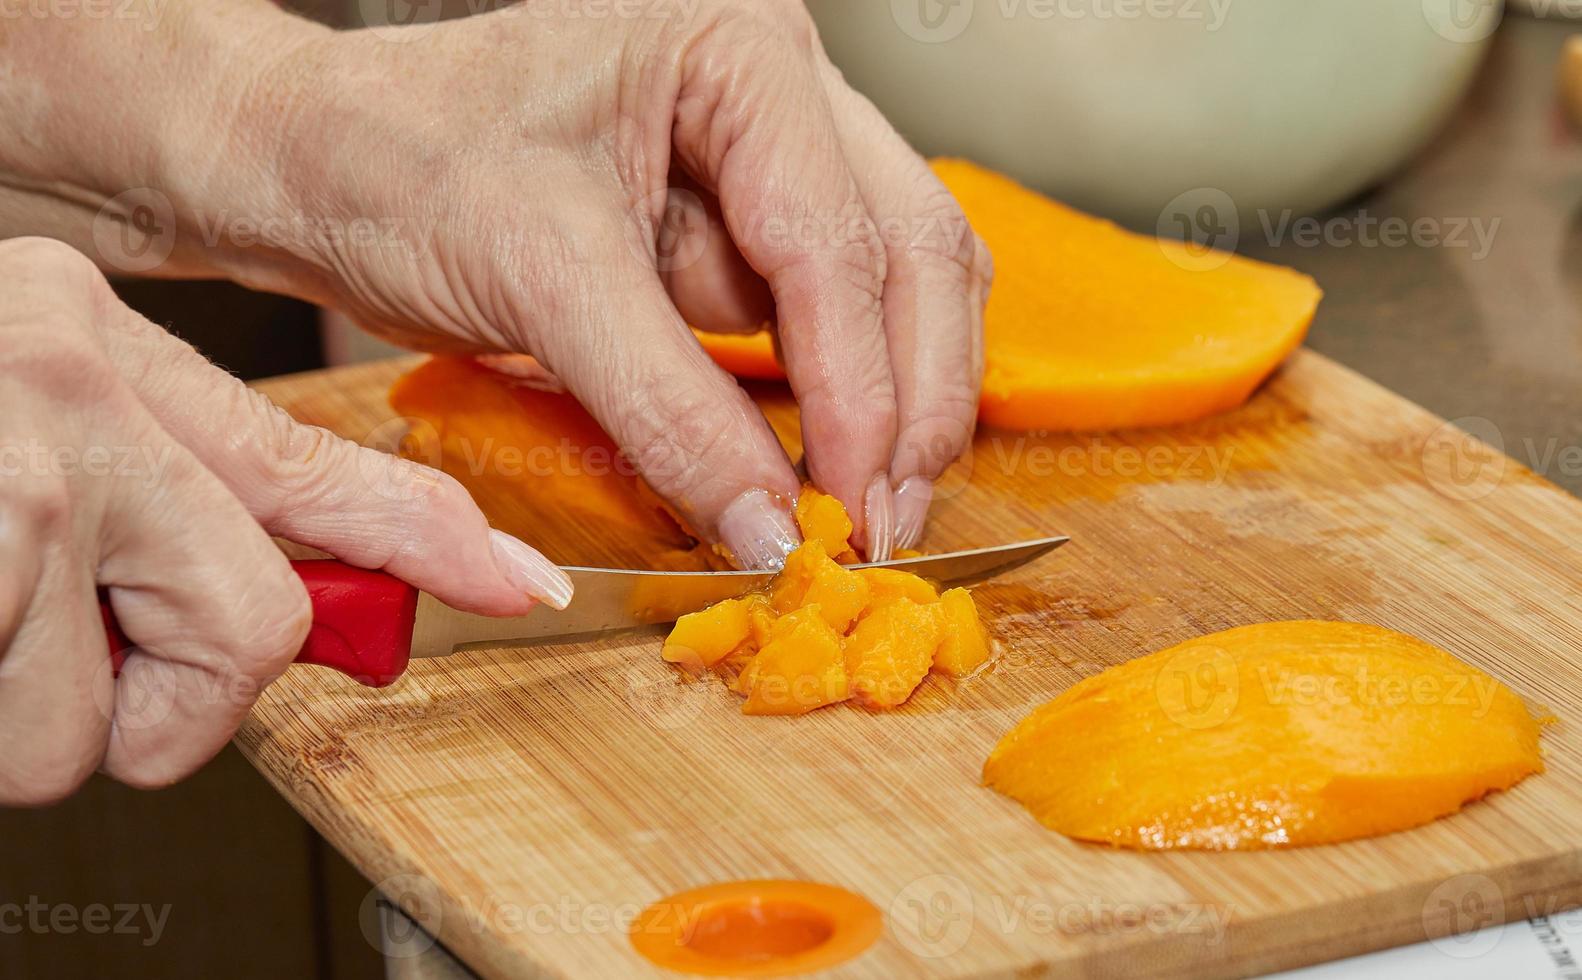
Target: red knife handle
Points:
x,y
362,622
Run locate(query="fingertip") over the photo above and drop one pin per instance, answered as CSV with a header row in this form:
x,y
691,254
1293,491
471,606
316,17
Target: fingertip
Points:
x,y
527,570
759,530
912,498
879,518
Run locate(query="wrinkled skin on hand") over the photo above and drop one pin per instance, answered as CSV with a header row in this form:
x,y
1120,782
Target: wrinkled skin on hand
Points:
x,y
579,188
130,462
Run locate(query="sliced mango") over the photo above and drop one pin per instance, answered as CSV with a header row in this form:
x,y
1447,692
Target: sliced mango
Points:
x,y
821,518
885,584
890,651
825,633
1090,326
800,669
1269,735
704,638
963,644
811,577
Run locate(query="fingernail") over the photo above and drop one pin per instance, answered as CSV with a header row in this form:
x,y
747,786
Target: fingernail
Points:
x,y
911,510
530,571
759,530
879,507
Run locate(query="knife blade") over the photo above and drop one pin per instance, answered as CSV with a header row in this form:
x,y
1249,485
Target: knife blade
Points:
x,y
368,625
617,598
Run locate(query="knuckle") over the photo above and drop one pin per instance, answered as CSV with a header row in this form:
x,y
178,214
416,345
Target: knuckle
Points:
x,y
676,439
42,503
982,262
45,255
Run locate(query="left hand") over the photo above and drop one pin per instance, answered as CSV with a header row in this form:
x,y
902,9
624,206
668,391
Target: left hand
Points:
x,y
501,183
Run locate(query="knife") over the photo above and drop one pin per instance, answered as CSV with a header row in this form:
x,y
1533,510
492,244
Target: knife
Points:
x,y
368,625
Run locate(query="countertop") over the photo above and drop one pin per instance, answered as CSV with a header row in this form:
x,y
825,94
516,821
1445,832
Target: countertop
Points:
x,y
1477,315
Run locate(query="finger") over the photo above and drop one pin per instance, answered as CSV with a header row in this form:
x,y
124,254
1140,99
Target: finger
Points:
x,y
54,672
699,441
937,279
800,221
365,507
210,603
711,284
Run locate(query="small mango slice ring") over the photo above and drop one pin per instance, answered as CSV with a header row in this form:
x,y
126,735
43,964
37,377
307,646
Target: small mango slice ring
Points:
x,y
759,928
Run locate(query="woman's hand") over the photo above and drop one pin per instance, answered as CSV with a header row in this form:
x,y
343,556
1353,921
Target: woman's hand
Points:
x,y
128,461
559,179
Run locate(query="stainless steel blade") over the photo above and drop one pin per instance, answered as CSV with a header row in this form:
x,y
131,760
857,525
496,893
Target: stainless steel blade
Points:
x,y
617,598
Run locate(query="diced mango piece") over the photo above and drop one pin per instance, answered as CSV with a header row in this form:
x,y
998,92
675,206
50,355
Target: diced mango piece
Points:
x,y
822,518
963,644
760,619
890,651
811,577
885,584
900,553
703,638
802,668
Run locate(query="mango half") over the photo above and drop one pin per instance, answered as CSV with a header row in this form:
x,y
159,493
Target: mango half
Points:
x,y
1271,735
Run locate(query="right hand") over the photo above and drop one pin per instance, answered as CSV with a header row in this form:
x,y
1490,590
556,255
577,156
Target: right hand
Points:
x,y
128,461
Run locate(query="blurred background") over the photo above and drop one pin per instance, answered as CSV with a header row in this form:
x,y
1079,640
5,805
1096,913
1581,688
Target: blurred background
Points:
x,y
1226,121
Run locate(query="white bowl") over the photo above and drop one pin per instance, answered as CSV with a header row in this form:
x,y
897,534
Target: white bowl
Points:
x,y
1121,106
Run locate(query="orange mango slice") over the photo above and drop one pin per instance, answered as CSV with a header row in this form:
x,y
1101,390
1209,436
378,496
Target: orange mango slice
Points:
x,y
801,668
811,577
531,457
704,638
823,519
1270,735
1090,326
963,645
885,584
890,652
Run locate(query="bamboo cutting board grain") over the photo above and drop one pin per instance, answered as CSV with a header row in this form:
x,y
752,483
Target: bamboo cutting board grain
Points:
x,y
525,804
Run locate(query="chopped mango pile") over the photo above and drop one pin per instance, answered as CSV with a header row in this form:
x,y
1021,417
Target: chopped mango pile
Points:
x,y
825,633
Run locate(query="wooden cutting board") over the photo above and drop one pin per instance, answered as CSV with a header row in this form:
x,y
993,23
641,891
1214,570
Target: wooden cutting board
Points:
x,y
525,804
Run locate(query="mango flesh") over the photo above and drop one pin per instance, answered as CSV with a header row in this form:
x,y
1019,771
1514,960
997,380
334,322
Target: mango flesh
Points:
x,y
811,577
800,669
1090,326
1270,735
704,638
885,584
890,652
822,519
825,633
963,644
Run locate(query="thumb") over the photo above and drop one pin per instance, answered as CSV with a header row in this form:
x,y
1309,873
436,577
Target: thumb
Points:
x,y
307,485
